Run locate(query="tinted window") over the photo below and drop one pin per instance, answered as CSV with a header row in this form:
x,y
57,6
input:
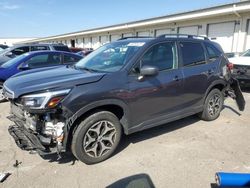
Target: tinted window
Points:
x,y
20,51
212,51
38,48
61,48
70,59
161,56
192,53
44,60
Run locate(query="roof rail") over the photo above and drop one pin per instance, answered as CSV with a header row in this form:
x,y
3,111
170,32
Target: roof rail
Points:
x,y
183,36
134,37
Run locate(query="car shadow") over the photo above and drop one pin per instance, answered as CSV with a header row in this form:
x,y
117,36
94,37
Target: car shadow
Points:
x,y
156,131
232,109
64,158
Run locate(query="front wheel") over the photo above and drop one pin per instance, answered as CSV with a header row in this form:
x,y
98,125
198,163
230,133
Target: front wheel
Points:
x,y
2,97
96,138
213,105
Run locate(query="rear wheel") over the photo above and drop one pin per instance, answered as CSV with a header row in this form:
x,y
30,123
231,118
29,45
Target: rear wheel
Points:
x,y
213,105
2,97
96,138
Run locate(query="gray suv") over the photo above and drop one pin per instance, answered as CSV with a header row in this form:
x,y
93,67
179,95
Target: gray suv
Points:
x,y
121,88
17,50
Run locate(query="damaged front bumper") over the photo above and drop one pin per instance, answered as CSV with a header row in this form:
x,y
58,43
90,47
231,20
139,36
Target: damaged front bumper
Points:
x,y
42,133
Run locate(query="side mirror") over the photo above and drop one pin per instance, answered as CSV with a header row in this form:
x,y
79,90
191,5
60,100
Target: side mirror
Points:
x,y
9,54
149,71
23,67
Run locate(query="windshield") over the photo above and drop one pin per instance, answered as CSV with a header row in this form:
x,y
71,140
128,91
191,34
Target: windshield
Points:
x,y
13,61
246,54
110,57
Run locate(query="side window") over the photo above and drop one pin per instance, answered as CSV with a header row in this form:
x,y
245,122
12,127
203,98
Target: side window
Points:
x,y
192,53
162,56
212,51
38,48
70,59
44,60
20,51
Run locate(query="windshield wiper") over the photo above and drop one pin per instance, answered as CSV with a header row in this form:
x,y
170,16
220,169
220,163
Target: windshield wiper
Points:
x,y
87,69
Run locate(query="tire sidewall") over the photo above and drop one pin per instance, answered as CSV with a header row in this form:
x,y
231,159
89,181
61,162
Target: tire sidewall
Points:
x,y
4,100
77,142
206,114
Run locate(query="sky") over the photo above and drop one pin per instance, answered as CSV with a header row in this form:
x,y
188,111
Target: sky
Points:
x,y
41,18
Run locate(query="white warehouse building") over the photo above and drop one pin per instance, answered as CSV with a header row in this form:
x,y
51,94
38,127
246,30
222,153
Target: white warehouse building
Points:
x,y
228,24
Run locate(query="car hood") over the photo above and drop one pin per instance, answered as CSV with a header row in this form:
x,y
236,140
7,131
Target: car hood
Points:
x,y
240,60
44,79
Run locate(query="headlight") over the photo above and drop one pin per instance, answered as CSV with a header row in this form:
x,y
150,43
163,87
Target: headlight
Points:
x,y
43,100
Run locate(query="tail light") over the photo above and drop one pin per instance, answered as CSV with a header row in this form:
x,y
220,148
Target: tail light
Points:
x,y
230,66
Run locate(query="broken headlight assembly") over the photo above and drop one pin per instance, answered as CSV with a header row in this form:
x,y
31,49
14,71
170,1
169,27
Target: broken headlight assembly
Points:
x,y
44,100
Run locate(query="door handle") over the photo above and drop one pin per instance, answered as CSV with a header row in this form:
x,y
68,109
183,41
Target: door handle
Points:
x,y
176,78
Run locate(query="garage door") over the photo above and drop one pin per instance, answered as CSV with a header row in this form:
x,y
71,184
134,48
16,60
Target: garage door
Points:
x,y
104,40
222,33
159,32
127,35
248,36
115,37
191,30
95,42
143,33
87,43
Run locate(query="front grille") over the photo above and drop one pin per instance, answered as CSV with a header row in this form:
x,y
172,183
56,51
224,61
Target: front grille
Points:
x,y
8,93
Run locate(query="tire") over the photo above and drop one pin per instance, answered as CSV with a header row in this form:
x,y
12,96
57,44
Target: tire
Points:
x,y
2,98
97,137
212,106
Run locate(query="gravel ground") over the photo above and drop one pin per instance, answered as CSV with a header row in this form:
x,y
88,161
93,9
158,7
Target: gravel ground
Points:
x,y
185,153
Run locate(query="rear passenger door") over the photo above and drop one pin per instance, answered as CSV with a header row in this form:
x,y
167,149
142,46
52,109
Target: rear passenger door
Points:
x,y
196,73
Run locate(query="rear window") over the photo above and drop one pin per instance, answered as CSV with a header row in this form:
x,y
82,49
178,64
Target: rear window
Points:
x,y
212,51
192,53
71,59
38,48
62,48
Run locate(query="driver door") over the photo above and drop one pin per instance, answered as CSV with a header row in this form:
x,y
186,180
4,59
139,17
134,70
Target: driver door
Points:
x,y
156,97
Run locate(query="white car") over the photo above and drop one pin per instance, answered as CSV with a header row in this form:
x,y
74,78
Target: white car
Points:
x,y
241,68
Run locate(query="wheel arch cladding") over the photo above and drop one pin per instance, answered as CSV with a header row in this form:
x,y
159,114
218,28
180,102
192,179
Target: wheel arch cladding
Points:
x,y
219,84
114,106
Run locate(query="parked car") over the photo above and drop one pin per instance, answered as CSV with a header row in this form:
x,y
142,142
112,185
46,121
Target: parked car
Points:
x,y
241,68
32,60
3,46
121,88
75,50
84,53
17,50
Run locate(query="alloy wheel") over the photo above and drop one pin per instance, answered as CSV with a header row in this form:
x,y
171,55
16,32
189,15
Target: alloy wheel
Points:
x,y
99,139
214,105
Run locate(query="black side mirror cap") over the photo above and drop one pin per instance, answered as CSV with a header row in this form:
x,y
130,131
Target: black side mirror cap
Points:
x,y
149,71
23,67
